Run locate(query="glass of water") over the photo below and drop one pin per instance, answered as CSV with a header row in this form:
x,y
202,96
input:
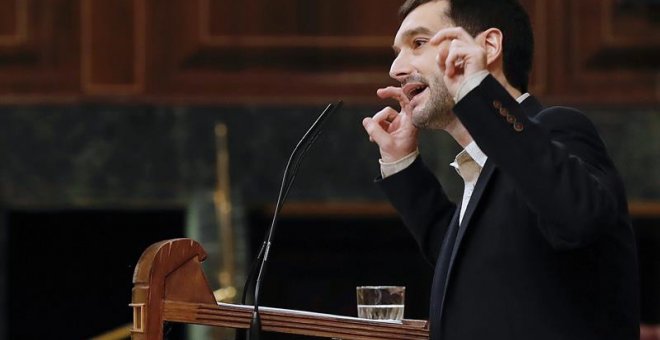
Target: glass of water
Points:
x,y
380,302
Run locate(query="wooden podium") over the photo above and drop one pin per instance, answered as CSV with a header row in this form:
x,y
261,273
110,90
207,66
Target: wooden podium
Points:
x,y
169,285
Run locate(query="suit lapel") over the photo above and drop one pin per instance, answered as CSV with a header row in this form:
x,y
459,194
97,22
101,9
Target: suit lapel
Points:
x,y
441,273
531,106
482,182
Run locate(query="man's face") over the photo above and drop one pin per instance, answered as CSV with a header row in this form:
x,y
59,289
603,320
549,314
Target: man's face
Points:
x,y
416,68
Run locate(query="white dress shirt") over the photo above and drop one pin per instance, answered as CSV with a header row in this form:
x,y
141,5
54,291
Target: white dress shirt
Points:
x,y
468,163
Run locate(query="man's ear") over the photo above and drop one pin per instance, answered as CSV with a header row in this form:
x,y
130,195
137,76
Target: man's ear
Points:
x,y
491,40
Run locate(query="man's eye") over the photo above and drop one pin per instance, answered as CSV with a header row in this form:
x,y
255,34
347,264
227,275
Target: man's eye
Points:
x,y
419,43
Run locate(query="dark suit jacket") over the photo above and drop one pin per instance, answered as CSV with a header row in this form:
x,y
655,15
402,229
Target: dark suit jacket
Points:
x,y
545,249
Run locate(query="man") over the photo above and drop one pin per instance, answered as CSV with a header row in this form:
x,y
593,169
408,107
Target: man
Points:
x,y
541,245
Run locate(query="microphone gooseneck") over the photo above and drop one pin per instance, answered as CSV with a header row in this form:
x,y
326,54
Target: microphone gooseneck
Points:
x,y
254,332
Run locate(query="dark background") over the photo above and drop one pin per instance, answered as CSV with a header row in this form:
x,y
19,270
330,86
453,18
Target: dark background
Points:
x,y
107,116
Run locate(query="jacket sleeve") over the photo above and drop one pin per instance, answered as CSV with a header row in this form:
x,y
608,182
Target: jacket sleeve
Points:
x,y
423,205
556,160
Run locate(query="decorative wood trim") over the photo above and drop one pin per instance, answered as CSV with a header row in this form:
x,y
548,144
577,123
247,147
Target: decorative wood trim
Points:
x,y
222,66
171,285
613,37
590,38
644,209
291,41
335,209
295,41
638,209
89,84
21,32
585,52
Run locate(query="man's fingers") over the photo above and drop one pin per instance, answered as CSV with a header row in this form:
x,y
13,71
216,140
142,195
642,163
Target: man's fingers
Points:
x,y
390,92
394,93
375,130
387,114
449,34
455,60
378,125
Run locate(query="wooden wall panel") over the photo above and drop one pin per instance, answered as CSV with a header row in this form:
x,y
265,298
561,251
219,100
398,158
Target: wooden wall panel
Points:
x,y
113,46
275,51
605,53
294,51
39,50
13,22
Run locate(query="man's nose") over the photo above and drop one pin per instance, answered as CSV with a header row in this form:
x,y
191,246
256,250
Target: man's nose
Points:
x,y
401,68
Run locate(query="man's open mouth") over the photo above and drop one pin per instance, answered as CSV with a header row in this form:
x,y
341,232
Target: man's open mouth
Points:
x,y
413,89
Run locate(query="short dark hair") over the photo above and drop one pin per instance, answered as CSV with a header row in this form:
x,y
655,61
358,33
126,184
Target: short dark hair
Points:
x,y
508,16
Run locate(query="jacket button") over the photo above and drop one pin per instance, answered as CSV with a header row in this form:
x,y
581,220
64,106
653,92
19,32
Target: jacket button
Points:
x,y
518,126
510,119
504,112
497,104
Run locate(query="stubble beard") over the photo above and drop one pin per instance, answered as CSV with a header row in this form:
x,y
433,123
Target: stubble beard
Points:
x,y
436,113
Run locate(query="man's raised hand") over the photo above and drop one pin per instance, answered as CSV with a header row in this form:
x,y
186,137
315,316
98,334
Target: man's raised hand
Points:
x,y
393,131
459,56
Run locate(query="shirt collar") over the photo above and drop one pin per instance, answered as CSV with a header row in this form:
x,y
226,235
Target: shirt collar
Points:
x,y
473,151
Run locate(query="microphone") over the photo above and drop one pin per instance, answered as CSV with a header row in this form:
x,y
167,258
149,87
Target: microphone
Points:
x,y
254,332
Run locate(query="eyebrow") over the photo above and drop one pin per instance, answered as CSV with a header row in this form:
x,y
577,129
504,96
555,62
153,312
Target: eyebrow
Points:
x,y
410,33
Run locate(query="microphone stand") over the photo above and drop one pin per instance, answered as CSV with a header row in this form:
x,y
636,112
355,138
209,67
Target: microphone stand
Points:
x,y
254,332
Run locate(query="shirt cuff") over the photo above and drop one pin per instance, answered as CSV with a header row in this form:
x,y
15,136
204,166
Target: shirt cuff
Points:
x,y
390,168
469,84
